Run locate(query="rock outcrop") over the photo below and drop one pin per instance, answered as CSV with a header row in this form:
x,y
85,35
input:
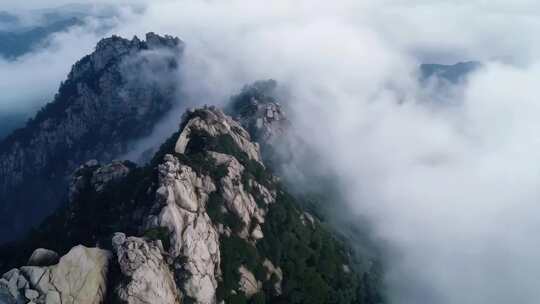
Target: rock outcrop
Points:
x,y
248,284
240,201
180,207
94,176
78,278
148,276
215,123
272,270
43,257
182,199
111,97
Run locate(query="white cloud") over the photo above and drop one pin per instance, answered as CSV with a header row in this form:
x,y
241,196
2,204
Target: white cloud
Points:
x,y
452,189
31,80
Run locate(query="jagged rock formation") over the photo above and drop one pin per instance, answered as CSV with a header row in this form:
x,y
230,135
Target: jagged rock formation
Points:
x,y
194,243
247,200
149,279
96,176
248,284
110,98
212,225
183,194
78,278
216,123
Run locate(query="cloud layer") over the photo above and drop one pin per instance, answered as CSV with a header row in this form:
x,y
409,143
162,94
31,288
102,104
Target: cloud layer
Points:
x,y
452,187
32,80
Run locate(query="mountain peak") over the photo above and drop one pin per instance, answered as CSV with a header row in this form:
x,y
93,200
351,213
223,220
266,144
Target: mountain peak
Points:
x,y
113,49
111,98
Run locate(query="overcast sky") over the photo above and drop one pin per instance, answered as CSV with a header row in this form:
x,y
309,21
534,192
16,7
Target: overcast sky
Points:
x,y
8,5
452,187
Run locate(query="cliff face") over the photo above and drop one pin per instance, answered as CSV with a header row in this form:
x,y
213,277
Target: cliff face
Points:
x,y
205,222
111,97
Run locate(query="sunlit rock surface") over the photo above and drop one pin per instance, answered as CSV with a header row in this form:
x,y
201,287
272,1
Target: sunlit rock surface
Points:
x,y
78,278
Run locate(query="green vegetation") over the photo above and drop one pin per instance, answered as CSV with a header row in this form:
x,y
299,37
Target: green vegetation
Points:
x,y
159,233
214,210
90,220
318,268
312,260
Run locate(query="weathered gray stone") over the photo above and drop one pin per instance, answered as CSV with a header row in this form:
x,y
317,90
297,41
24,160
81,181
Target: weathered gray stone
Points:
x,y
238,200
272,270
52,297
257,233
216,123
13,273
149,277
79,277
22,282
248,283
35,274
180,206
43,257
5,296
31,294
118,240
306,218
96,177
108,173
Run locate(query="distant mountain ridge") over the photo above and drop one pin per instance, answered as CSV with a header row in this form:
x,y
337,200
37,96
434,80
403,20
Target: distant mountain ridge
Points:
x,y
25,31
453,73
17,43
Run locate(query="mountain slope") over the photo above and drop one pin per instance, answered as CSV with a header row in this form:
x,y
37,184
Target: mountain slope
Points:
x,y
10,122
205,222
107,101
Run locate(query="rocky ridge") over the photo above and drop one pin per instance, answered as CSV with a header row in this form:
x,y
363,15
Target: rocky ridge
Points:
x,y
182,199
107,101
204,222
148,276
